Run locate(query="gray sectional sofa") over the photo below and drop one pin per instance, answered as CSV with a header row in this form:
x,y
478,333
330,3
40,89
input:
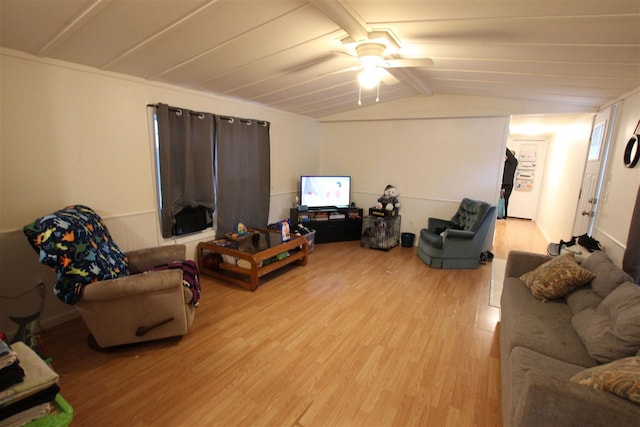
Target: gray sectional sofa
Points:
x,y
544,344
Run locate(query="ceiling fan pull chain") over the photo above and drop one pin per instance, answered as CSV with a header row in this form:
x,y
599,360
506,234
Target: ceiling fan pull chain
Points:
x,y
360,94
378,92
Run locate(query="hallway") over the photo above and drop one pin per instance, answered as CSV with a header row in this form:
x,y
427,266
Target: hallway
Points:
x,y
517,234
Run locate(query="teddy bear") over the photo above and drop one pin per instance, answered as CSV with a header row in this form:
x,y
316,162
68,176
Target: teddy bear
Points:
x,y
389,199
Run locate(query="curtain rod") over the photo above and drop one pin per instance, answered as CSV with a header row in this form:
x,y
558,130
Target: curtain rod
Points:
x,y
201,116
178,111
245,121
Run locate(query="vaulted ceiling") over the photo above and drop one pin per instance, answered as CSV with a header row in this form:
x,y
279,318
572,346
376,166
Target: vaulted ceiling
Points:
x,y
298,55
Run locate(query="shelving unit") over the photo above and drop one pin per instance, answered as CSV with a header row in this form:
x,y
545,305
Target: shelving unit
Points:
x,y
331,225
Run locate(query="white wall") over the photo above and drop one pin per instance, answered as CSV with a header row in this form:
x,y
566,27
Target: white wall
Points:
x,y
72,134
433,162
562,177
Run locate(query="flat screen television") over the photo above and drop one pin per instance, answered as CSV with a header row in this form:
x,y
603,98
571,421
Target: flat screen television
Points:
x,y
318,192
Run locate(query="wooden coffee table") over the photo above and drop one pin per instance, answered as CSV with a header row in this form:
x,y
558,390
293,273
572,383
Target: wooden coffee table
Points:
x,y
257,255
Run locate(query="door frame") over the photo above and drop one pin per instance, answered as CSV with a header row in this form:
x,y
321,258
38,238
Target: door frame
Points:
x,y
604,158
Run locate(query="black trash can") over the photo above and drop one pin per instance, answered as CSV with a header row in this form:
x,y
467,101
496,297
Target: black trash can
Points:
x,y
407,239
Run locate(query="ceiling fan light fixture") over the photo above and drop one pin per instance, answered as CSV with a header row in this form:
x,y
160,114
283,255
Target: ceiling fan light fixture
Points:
x,y
370,76
370,50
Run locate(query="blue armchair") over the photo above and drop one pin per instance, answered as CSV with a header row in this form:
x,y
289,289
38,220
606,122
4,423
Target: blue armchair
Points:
x,y
457,243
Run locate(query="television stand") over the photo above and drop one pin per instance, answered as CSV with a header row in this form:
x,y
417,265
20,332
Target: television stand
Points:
x,y
330,224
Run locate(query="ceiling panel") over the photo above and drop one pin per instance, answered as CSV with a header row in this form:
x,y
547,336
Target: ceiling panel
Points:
x,y
558,68
293,67
379,12
346,98
283,87
622,54
211,26
29,25
531,94
322,87
553,81
113,30
583,30
272,37
292,54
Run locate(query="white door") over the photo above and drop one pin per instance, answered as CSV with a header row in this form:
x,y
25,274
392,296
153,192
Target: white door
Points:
x,y
593,173
530,153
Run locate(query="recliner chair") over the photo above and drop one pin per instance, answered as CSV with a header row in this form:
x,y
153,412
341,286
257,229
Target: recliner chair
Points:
x,y
457,243
142,306
144,295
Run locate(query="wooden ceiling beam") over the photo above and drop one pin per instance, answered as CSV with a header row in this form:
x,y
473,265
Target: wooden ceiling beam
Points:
x,y
346,18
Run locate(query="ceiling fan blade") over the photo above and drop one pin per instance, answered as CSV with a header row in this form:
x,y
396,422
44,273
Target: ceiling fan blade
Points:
x,y
388,78
408,63
344,70
343,52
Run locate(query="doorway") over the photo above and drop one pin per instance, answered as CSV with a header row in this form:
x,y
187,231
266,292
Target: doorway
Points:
x,y
565,138
530,153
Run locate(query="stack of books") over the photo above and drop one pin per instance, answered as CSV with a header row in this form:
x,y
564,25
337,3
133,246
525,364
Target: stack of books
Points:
x,y
28,386
321,216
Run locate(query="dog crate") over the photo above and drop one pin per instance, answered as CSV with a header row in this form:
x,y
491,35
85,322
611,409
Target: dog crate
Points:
x,y
380,232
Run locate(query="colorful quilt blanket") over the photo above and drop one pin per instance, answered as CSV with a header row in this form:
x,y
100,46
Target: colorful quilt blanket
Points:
x,y
76,244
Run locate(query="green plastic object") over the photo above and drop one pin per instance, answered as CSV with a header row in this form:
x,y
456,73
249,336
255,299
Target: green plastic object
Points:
x,y
61,418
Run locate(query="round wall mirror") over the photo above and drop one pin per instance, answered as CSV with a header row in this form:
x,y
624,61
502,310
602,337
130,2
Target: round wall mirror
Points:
x,y
631,152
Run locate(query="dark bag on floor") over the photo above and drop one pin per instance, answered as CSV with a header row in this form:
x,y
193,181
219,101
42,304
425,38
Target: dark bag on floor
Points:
x,y
589,242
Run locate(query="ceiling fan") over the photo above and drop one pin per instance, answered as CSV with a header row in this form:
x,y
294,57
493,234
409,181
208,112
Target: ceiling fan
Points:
x,y
377,50
374,63
379,60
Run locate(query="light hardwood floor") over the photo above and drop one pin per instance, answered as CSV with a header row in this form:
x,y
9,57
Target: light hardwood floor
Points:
x,y
357,337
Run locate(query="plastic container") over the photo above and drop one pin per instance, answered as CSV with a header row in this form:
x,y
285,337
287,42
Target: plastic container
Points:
x,y
61,417
311,238
407,239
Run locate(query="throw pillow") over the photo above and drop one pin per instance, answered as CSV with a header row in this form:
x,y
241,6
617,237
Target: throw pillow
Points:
x,y
583,298
612,330
556,278
608,275
621,377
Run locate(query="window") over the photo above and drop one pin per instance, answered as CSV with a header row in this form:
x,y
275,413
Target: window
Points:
x,y
208,163
185,164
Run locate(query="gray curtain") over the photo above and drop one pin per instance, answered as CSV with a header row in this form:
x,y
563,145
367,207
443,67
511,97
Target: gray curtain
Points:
x,y
631,259
243,173
186,151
